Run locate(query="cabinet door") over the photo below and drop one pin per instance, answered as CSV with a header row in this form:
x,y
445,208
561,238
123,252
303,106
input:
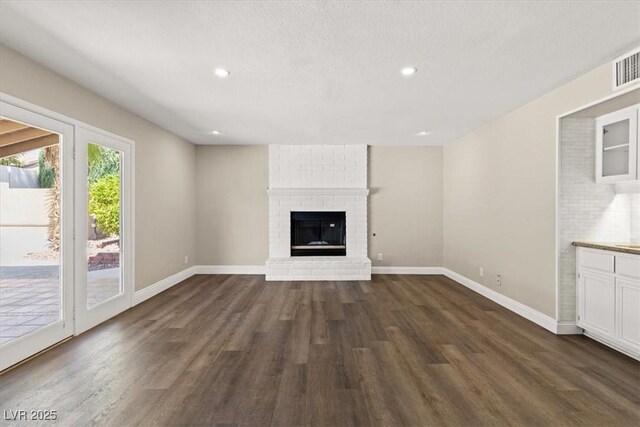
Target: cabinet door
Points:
x,y
617,146
596,303
628,295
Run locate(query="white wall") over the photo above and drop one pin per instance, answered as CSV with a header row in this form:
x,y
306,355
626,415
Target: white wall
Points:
x,y
24,206
634,206
406,206
231,204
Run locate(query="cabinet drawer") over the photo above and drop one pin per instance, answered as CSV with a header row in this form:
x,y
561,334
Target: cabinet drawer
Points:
x,y
628,266
597,261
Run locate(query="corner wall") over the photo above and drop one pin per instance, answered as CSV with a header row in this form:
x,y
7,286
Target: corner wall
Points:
x,y
405,206
500,195
164,168
232,214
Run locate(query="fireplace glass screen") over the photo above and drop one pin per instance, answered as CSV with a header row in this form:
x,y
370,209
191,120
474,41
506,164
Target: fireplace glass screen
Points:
x,y
318,234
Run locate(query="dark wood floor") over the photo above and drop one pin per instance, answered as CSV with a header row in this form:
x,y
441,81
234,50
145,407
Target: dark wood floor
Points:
x,y
400,350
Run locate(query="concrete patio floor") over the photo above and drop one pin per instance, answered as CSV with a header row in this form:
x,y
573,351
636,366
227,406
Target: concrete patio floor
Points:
x,y
30,296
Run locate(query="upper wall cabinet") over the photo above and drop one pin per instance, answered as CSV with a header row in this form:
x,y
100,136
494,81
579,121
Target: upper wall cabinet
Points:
x,y
617,154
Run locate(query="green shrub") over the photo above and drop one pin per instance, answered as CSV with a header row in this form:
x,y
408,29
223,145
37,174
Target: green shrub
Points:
x,y
46,172
102,161
104,203
11,161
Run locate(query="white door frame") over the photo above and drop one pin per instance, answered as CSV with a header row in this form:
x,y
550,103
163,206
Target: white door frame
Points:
x,y
86,318
27,345
26,349
570,327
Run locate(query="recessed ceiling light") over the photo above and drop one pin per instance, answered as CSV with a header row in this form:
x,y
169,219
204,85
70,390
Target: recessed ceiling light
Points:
x,y
221,72
408,71
215,132
423,133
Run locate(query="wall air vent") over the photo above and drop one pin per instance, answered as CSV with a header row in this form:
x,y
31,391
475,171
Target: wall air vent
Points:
x,y
626,69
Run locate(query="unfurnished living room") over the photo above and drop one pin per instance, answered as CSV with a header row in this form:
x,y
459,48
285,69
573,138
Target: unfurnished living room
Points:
x,y
319,213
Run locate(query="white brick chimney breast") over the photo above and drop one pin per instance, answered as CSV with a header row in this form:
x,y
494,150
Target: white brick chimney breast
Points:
x,y
318,178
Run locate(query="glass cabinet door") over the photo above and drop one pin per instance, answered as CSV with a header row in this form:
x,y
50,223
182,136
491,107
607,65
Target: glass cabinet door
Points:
x,y
616,146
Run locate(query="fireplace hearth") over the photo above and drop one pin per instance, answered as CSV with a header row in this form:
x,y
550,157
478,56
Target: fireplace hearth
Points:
x,y
318,234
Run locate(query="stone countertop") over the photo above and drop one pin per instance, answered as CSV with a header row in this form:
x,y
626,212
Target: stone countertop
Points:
x,y
628,248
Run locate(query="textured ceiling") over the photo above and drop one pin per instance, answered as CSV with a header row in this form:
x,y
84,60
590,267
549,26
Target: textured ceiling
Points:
x,y
320,72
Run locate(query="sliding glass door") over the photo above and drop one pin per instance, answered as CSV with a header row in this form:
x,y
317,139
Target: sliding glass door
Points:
x,y
36,233
103,220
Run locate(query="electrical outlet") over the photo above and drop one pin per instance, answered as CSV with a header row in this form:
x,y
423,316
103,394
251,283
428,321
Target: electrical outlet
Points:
x,y
481,272
186,259
380,257
498,280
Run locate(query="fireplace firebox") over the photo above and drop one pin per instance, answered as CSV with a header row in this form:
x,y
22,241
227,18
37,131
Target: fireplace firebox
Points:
x,y
318,234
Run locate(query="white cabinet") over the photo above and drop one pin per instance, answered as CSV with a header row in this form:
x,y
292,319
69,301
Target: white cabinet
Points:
x,y
597,302
617,154
608,298
629,311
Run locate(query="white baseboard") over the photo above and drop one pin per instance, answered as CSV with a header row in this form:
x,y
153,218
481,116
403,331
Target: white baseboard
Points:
x,y
261,269
407,270
164,284
568,328
229,269
527,312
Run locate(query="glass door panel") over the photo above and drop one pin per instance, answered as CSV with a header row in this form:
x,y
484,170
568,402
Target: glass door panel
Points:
x,y
36,274
104,275
29,237
615,148
103,235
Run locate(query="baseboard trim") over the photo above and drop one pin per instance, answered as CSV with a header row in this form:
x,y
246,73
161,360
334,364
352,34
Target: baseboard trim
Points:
x,y
525,311
162,285
568,328
407,270
230,269
261,269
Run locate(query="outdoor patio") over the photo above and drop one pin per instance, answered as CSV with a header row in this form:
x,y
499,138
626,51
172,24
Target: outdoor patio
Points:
x,y
30,296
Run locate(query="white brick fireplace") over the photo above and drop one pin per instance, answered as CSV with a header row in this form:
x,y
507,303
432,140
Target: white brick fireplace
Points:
x,y
316,178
